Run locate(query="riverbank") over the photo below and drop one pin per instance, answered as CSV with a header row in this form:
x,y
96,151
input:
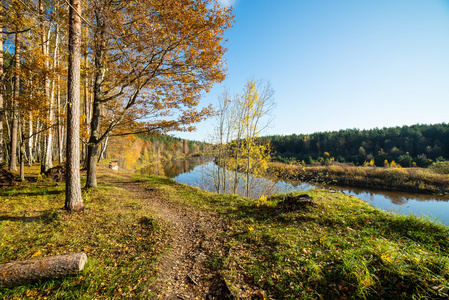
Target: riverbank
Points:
x,y
415,180
330,245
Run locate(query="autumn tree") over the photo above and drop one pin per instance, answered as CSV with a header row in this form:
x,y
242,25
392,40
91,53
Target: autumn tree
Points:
x,y
152,60
241,121
252,111
35,26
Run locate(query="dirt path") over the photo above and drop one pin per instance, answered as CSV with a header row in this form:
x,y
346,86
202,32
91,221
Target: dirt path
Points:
x,y
194,235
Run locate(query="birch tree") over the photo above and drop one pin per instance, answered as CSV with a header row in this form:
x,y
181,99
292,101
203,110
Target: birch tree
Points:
x,y
242,120
2,108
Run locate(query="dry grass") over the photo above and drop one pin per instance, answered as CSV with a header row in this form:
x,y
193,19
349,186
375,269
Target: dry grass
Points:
x,y
404,179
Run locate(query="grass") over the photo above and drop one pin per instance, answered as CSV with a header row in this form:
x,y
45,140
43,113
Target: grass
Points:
x,y
416,180
121,238
339,248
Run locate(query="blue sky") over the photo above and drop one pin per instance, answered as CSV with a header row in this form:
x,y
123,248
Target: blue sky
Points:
x,y
340,64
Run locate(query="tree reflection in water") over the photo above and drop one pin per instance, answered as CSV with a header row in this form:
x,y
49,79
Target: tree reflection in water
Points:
x,y
201,172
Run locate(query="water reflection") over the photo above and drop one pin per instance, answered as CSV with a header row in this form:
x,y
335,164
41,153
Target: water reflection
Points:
x,y
173,168
428,206
202,173
205,176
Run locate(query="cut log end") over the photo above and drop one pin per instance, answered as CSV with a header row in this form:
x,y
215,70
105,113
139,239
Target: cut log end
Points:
x,y
82,261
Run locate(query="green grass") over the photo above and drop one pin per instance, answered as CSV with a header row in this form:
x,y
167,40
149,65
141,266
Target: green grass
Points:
x,y
339,248
120,237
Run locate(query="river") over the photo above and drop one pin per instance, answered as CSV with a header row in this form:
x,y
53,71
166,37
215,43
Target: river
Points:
x,y
201,173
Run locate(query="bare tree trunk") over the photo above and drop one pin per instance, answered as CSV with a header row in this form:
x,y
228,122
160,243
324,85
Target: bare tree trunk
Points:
x,y
103,149
42,147
94,142
73,200
92,147
37,139
236,167
47,161
248,166
6,140
63,138
58,121
30,141
86,99
2,109
49,148
22,159
15,108
92,152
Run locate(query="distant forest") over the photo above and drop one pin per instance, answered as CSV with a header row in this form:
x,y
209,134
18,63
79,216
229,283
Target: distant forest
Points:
x,y
416,145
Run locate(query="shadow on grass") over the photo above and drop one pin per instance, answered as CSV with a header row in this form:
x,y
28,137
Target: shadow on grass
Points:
x,y
46,216
40,193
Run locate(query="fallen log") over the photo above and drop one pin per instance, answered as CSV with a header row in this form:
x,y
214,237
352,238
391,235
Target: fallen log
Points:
x,y
296,202
21,272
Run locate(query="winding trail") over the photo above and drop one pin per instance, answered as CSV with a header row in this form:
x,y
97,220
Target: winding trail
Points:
x,y
193,236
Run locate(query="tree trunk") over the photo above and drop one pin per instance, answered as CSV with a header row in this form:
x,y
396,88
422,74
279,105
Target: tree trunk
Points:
x,y
47,159
30,142
22,272
92,152
48,163
94,139
92,147
73,200
6,139
22,161
103,149
236,167
86,99
2,110
58,121
37,142
15,108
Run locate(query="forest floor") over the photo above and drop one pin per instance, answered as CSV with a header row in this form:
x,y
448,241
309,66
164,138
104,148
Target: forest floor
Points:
x,y
148,237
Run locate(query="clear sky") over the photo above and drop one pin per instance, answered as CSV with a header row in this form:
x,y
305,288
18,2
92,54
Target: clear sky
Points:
x,y
340,64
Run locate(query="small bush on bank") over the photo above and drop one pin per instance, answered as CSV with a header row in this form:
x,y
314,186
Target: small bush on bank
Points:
x,y
440,167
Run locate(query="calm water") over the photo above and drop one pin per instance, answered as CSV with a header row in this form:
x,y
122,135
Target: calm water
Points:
x,y
201,173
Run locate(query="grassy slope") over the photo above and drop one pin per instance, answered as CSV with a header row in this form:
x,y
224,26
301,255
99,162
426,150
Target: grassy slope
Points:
x,y
340,247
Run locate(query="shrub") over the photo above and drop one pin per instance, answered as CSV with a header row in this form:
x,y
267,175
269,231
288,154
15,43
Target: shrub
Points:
x,y
440,167
395,175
